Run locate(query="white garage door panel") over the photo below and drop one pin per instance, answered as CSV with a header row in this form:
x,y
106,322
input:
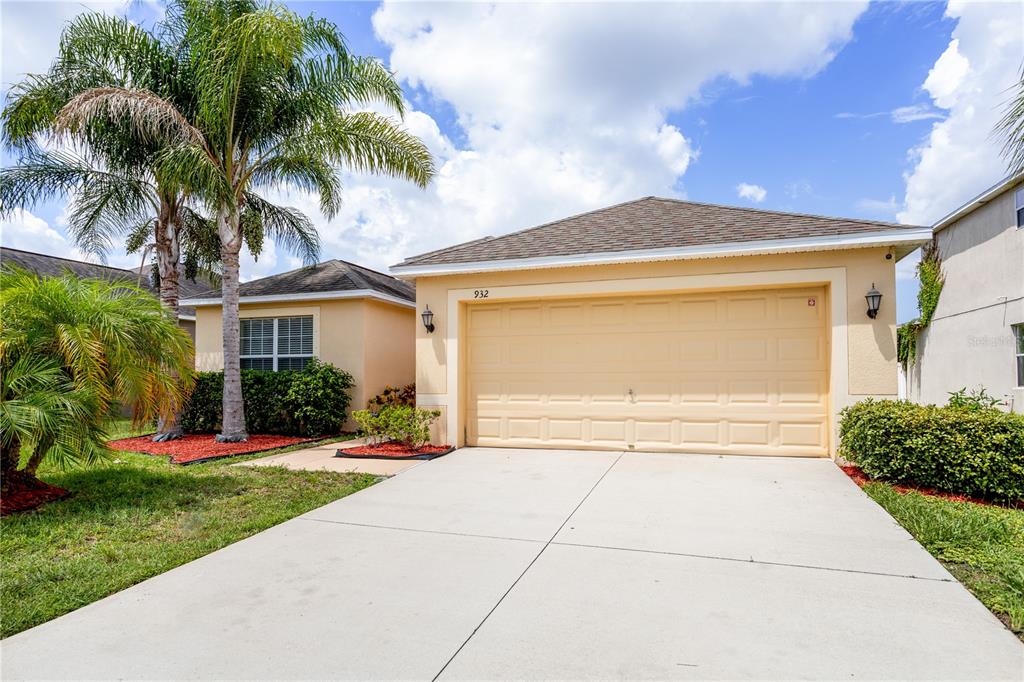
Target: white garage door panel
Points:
x,y
740,372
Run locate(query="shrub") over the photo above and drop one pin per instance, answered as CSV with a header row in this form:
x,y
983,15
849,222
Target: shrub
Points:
x,y
392,395
978,399
401,423
311,402
318,398
971,451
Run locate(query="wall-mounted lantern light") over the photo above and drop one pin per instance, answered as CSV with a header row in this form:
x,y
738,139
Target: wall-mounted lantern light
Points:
x,y
428,319
874,298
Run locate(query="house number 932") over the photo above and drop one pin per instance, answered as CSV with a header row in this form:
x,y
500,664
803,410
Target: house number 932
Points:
x,y
481,293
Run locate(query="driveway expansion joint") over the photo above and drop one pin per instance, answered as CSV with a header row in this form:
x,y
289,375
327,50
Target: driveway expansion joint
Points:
x,y
752,560
528,567
421,530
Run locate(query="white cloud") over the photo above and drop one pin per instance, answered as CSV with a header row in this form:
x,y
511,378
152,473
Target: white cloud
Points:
x,y
960,157
30,32
562,108
905,114
754,193
26,231
886,208
914,112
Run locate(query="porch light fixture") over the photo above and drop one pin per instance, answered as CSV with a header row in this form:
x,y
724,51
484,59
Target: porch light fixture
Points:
x,y
428,319
874,298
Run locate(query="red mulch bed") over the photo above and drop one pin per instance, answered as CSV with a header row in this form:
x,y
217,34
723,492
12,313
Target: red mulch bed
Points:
x,y
23,500
860,478
197,447
394,450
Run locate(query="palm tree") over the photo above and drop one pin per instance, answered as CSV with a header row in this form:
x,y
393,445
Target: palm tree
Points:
x,y
111,170
1011,128
71,352
275,94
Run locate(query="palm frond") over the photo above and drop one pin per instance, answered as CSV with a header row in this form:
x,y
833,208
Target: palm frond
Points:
x,y
288,227
1010,128
151,117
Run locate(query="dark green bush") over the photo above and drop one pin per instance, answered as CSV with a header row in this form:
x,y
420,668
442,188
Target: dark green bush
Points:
x,y
312,402
318,398
975,452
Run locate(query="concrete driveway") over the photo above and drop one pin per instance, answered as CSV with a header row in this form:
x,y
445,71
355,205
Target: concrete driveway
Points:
x,y
498,564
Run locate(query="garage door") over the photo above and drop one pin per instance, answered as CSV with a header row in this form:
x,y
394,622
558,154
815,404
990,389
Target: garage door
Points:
x,y
725,372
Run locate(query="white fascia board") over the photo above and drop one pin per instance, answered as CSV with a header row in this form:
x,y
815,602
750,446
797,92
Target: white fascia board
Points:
x,y
305,296
978,201
909,237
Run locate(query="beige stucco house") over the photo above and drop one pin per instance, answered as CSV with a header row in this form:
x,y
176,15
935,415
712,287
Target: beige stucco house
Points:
x,y
355,318
660,325
976,335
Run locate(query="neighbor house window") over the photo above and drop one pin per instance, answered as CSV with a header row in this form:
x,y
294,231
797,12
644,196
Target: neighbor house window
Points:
x,y
1018,332
276,343
1018,203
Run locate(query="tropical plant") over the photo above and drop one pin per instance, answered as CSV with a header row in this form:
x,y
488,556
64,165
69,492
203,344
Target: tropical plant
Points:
x,y
393,395
275,94
111,170
72,353
409,426
1011,128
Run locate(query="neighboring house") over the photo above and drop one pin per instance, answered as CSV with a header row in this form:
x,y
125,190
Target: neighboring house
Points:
x,y
355,318
660,325
976,335
44,264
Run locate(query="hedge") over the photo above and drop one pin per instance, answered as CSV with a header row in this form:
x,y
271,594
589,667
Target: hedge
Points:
x,y
974,452
311,402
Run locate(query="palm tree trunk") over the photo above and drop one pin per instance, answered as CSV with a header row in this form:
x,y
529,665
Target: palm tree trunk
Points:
x,y
233,422
168,256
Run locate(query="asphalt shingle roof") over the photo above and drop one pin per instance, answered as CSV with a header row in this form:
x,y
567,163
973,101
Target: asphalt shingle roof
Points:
x,y
332,275
44,264
648,223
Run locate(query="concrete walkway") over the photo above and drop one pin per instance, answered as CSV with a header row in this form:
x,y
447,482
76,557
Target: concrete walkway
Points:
x,y
499,564
321,458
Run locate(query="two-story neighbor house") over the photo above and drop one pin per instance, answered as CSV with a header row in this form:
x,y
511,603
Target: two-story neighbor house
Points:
x,y
976,335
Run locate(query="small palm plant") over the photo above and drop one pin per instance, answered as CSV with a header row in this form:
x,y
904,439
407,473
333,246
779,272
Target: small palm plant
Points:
x,y
72,353
279,101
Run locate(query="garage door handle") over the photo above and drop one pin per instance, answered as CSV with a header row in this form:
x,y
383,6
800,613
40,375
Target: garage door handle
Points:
x,y
632,396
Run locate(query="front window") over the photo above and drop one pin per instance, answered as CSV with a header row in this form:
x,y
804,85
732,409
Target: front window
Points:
x,y
275,344
1018,333
1018,204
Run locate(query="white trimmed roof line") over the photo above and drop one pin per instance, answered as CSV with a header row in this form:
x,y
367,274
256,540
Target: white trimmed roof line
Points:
x,y
306,296
910,237
978,201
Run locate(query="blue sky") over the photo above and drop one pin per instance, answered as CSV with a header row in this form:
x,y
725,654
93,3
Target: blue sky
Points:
x,y
536,111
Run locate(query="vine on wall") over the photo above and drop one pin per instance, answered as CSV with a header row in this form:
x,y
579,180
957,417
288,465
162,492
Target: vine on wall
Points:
x,y
929,273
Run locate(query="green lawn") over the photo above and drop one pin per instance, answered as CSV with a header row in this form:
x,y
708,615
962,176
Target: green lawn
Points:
x,y
983,546
137,516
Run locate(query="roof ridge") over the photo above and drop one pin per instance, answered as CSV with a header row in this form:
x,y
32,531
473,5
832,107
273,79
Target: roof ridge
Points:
x,y
535,227
350,272
71,260
357,266
768,211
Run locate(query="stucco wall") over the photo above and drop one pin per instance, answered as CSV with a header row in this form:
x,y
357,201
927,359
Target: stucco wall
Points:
x,y
390,342
970,341
869,345
372,341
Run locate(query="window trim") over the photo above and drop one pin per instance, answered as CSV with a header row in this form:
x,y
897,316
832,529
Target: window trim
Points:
x,y
1018,206
1018,352
275,355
